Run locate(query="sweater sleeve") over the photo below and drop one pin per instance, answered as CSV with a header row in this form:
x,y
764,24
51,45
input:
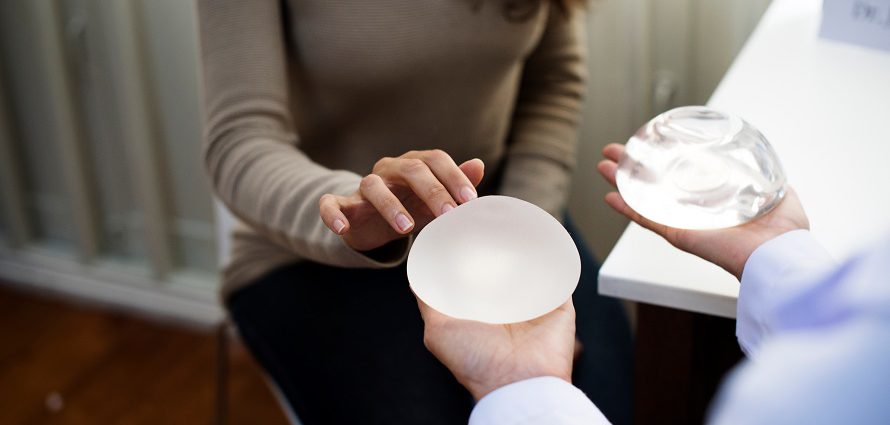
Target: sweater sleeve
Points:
x,y
541,155
250,144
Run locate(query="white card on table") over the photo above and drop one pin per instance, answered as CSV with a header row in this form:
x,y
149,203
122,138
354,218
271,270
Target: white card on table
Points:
x,y
862,22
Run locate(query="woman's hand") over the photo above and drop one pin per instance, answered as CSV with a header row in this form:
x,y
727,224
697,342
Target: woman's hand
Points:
x,y
485,357
728,248
399,196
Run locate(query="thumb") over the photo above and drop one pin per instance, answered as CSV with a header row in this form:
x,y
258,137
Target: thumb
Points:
x,y
474,169
430,315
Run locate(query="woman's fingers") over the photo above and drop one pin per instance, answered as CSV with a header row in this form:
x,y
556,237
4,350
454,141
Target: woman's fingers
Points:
x,y
331,215
446,170
416,174
427,186
374,189
433,177
474,169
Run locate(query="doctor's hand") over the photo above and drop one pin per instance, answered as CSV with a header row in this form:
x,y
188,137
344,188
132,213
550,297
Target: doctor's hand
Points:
x,y
400,196
485,357
728,248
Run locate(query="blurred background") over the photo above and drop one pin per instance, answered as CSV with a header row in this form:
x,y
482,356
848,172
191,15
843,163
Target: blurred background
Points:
x,y
108,235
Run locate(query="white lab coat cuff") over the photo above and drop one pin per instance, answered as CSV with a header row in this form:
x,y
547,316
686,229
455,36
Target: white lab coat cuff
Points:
x,y
777,267
543,400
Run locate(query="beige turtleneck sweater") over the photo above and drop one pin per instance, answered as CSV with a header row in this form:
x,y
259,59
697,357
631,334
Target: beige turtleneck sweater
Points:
x,y
302,97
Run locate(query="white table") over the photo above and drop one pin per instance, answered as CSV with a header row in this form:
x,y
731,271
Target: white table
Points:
x,y
825,107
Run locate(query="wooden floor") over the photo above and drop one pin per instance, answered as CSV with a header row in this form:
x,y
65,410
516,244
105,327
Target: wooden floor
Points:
x,y
68,363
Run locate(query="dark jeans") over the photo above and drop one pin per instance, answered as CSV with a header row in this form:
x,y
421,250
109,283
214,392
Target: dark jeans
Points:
x,y
345,346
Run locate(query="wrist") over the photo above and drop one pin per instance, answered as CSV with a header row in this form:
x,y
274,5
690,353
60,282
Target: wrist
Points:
x,y
737,265
744,255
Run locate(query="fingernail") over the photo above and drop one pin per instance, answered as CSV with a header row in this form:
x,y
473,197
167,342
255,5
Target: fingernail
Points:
x,y
403,222
468,194
446,208
339,225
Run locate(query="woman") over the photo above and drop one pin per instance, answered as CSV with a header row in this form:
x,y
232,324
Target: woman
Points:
x,y
334,133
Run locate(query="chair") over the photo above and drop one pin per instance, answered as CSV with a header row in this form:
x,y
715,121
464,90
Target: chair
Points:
x,y
226,330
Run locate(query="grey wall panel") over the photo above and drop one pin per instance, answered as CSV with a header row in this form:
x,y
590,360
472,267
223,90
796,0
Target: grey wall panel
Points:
x,y
169,30
30,103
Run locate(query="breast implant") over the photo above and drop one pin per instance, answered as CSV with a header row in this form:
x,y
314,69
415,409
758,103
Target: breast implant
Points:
x,y
697,168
